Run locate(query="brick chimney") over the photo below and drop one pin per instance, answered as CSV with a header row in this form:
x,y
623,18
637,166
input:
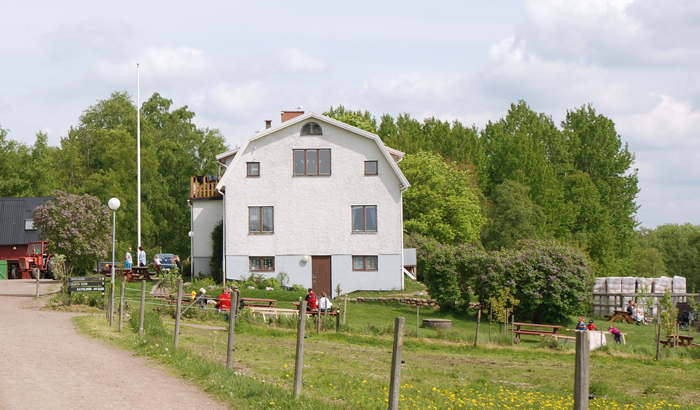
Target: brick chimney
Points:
x,y
288,115
268,124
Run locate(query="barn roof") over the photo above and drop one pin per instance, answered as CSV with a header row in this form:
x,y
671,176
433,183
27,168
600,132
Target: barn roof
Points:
x,y
13,214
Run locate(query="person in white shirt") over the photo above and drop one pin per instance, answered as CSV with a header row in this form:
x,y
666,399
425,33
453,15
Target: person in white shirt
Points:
x,y
129,261
142,256
157,261
324,303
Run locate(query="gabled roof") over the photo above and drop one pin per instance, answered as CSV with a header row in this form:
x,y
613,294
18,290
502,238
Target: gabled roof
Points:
x,y
13,213
388,153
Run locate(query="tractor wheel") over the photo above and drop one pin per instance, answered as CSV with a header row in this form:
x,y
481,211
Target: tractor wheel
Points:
x,y
14,274
35,273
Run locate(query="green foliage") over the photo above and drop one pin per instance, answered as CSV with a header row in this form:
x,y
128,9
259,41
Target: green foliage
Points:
x,y
667,314
513,217
669,249
359,119
442,202
550,280
502,303
217,252
77,226
152,324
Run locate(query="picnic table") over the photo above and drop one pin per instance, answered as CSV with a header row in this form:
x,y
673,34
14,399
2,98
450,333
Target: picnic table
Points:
x,y
679,340
539,331
137,273
622,315
315,312
256,302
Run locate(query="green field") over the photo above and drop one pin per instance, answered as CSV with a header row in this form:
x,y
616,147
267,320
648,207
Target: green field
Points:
x,y
350,369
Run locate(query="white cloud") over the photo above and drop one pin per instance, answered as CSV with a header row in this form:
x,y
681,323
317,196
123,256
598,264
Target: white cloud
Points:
x,y
296,61
669,124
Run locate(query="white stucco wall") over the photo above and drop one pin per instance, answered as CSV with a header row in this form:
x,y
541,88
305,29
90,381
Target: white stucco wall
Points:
x,y
312,214
206,214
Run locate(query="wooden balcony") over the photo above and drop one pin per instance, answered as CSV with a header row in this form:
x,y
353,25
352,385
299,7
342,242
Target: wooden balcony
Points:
x,y
204,186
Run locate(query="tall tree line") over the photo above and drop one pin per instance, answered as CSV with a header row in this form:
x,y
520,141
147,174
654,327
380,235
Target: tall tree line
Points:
x,y
98,157
573,182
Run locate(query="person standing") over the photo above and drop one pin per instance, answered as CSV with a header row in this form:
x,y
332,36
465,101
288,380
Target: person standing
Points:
x,y
178,263
157,261
128,261
142,256
591,326
615,333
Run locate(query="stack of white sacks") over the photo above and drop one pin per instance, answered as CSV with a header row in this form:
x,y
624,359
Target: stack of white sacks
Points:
x,y
677,284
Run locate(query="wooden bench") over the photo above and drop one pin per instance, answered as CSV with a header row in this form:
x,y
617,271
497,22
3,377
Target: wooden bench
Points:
x,y
256,302
138,273
679,340
536,332
266,312
622,315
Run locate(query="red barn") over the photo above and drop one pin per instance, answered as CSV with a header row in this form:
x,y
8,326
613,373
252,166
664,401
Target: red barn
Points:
x,y
17,228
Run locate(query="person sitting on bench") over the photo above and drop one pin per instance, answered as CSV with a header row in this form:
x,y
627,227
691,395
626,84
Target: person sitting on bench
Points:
x,y
324,303
311,300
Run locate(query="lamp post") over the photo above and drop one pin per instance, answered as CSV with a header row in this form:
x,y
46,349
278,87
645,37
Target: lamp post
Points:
x,y
113,204
191,254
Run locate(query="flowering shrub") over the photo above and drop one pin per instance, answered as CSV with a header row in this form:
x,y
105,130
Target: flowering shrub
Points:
x,y
77,226
551,280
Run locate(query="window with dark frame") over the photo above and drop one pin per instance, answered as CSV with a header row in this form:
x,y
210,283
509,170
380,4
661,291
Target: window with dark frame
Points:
x,y
253,169
364,218
29,225
311,128
312,162
364,263
262,263
371,167
261,219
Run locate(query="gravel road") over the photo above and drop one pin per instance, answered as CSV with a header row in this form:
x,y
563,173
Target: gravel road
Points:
x,y
46,364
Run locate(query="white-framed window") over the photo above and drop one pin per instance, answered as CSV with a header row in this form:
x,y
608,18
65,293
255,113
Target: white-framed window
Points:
x,y
364,218
29,225
261,219
312,162
364,262
262,263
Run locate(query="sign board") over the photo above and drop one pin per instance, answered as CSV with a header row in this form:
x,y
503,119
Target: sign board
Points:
x,y
86,284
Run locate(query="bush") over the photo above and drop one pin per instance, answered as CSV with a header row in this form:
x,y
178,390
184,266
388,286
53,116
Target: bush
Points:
x,y
152,324
552,281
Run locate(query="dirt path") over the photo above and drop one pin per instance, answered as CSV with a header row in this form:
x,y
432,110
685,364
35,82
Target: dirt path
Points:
x,y
46,364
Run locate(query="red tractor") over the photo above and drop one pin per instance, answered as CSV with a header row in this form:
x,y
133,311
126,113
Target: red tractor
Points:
x,y
37,263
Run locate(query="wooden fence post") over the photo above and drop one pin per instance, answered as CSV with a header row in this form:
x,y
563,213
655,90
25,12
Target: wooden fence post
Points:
x,y
396,364
231,329
478,322
121,305
178,312
581,371
417,320
143,307
299,363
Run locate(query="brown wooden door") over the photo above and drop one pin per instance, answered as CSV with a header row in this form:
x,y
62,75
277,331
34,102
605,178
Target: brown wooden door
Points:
x,y
321,275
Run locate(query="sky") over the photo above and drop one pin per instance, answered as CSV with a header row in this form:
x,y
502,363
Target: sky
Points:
x,y
239,63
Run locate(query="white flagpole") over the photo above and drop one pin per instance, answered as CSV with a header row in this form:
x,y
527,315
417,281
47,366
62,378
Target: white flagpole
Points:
x,y
138,150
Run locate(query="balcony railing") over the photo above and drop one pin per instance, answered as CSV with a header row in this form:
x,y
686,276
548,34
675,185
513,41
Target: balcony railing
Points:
x,y
204,186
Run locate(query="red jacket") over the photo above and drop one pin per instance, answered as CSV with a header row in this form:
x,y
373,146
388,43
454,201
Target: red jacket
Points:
x,y
313,304
591,326
223,302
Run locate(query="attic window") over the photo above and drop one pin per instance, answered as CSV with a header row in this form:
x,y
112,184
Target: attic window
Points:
x,y
311,128
29,225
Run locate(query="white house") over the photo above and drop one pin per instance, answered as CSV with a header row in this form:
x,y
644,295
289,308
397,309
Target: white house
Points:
x,y
316,198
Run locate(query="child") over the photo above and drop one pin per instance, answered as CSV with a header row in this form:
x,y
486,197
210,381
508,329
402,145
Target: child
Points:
x,y
313,304
615,333
580,325
591,326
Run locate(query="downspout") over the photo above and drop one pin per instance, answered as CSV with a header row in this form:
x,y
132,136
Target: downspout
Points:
x,y
403,276
189,202
223,254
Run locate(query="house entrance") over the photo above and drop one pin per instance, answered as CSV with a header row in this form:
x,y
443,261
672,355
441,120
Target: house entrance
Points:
x,y
321,275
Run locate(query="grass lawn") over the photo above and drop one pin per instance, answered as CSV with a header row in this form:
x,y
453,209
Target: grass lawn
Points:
x,y
350,370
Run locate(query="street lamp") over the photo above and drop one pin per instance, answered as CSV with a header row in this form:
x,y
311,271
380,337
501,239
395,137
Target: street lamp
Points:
x,y
113,204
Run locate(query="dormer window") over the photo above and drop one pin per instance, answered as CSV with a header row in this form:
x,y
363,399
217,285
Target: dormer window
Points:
x,y
29,225
311,128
